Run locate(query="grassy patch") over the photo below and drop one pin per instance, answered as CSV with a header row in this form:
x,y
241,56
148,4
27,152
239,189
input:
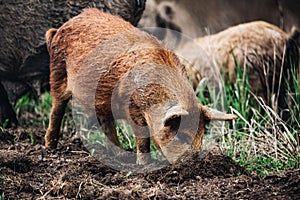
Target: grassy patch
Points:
x,y
35,113
32,112
259,139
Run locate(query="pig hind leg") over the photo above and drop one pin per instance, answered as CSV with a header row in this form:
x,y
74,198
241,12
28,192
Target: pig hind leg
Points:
x,y
56,116
60,98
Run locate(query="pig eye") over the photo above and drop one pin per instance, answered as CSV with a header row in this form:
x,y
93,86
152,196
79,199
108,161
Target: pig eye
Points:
x,y
173,123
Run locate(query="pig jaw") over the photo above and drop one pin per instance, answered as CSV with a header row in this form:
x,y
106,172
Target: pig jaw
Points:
x,y
172,148
174,144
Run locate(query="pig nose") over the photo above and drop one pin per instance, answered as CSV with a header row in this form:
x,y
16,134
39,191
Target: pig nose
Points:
x,y
183,138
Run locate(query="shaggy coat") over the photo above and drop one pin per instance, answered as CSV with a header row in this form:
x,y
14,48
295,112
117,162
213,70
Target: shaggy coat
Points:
x,y
120,72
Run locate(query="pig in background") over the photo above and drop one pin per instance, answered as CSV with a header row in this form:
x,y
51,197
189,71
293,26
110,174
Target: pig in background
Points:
x,y
24,60
117,71
263,50
196,18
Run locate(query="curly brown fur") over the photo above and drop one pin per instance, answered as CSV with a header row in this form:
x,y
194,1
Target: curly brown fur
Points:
x,y
128,74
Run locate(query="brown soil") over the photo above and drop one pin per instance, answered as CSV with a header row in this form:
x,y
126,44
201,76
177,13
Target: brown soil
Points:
x,y
29,171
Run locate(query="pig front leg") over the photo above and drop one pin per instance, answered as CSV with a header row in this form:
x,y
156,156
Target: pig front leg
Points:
x,y
143,151
142,138
108,126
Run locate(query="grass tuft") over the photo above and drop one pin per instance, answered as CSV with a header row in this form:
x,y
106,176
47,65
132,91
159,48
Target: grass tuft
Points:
x,y
260,140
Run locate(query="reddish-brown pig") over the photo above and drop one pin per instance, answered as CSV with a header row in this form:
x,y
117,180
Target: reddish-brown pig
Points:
x,y
126,74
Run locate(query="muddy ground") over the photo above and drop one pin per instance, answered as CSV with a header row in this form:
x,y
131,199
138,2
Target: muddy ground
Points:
x,y
29,171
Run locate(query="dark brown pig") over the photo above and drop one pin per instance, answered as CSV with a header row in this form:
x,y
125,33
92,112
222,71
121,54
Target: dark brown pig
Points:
x,y
120,72
24,60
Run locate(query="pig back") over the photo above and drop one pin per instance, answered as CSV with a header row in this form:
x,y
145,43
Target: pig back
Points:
x,y
109,63
130,70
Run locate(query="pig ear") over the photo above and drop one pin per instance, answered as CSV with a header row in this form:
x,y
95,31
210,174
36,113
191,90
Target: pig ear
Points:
x,y
173,112
212,114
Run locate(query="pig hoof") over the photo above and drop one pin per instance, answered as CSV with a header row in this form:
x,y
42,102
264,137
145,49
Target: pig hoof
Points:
x,y
143,159
51,144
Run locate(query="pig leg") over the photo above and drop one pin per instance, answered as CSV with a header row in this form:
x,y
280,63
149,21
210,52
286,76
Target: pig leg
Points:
x,y
60,98
108,126
142,145
57,113
143,150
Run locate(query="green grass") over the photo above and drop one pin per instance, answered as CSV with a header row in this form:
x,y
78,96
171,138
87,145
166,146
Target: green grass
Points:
x,y
259,139
2,197
32,112
35,113
4,124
